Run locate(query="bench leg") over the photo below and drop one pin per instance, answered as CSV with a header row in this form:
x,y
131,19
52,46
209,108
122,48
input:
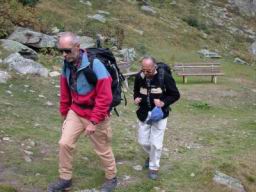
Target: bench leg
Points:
x,y
185,80
214,79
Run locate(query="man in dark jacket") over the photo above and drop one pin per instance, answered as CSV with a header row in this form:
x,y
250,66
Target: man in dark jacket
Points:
x,y
153,100
85,109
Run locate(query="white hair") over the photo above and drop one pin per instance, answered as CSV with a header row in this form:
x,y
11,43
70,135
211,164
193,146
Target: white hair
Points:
x,y
74,38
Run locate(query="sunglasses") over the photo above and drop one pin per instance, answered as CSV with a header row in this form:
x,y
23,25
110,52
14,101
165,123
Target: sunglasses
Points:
x,y
65,50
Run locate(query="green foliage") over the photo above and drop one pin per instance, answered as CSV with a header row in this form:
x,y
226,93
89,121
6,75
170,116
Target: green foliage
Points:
x,y
200,105
12,12
141,48
194,22
7,188
29,2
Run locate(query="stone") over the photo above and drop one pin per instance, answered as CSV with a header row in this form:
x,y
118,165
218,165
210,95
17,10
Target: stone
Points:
x,y
28,152
8,92
4,76
6,139
32,38
232,183
239,61
97,17
49,103
54,74
55,30
16,47
86,42
148,10
128,54
88,3
25,66
208,54
27,159
173,2
253,49
137,167
103,12
88,190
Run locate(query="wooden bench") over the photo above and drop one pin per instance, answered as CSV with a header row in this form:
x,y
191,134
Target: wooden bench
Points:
x,y
124,67
198,69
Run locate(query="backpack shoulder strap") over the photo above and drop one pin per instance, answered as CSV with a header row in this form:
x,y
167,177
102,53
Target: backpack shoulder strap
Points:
x,y
89,73
161,74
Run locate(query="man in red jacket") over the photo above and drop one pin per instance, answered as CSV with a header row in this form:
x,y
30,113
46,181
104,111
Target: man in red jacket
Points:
x,y
85,109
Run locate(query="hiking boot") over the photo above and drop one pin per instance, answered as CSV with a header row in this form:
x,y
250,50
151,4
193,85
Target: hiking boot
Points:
x,y
153,174
109,185
60,185
146,164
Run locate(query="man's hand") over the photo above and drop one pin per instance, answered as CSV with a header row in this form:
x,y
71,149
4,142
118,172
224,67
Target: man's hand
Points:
x,y
158,103
90,129
137,100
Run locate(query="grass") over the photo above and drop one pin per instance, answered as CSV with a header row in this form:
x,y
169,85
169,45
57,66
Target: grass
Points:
x,y
211,128
220,135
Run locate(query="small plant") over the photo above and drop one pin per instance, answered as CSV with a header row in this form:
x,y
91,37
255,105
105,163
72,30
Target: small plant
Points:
x,y
141,49
200,105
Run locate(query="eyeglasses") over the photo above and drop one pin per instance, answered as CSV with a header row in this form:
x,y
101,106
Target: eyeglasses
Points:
x,y
65,50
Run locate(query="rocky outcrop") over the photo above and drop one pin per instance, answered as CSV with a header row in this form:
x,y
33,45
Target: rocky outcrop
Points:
x,y
246,7
32,38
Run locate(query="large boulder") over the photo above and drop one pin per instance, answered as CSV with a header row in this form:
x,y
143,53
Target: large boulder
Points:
x,y
32,38
24,66
246,7
16,47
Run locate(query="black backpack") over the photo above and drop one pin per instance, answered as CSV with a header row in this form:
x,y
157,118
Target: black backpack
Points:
x,y
108,59
162,69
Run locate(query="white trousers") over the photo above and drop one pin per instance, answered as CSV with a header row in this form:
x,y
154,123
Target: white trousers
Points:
x,y
150,137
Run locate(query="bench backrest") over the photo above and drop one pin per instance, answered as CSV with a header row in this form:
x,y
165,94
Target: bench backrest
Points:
x,y
197,68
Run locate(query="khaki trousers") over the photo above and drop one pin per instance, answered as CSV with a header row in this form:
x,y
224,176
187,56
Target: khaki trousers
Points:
x,y
73,127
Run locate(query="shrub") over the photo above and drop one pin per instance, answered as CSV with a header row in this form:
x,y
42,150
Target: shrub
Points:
x,y
29,2
194,22
12,13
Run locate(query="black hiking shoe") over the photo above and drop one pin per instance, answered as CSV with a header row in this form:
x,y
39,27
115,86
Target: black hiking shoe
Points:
x,y
146,164
60,185
153,174
109,185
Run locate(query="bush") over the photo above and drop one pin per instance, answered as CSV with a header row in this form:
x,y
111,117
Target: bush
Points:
x,y
29,2
12,13
193,22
